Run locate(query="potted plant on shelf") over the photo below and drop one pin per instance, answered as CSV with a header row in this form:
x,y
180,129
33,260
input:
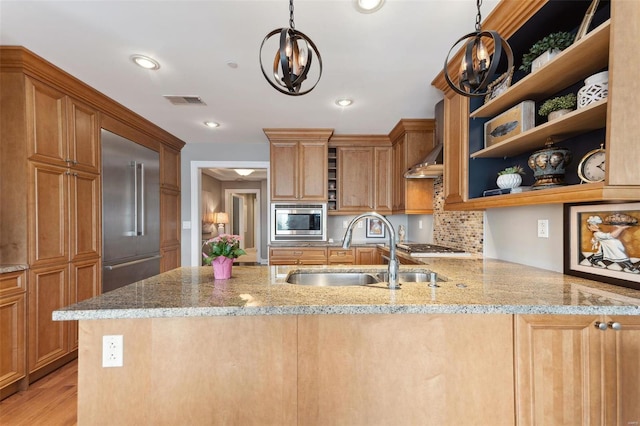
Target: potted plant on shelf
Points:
x,y
546,49
222,250
511,177
558,106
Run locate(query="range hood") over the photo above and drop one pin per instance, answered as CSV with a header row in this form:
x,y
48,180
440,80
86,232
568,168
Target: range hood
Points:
x,y
430,167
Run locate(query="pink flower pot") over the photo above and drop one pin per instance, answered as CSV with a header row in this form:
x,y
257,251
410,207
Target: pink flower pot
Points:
x,y
222,267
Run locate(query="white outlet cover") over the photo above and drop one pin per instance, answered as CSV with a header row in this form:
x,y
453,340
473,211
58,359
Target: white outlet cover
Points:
x,y
112,348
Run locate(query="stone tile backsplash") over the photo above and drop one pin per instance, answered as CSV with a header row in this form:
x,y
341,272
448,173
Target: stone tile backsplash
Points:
x,y
457,229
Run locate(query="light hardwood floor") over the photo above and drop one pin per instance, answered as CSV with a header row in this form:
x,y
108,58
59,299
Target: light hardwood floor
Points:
x,y
51,401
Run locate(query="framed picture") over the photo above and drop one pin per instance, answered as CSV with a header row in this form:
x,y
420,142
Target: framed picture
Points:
x,y
375,228
510,123
586,21
602,242
499,85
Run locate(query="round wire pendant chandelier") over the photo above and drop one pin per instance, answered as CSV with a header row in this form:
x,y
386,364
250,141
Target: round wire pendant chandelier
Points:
x,y
293,60
477,67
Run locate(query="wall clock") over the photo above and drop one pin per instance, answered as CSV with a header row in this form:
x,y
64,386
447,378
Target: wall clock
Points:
x,y
592,166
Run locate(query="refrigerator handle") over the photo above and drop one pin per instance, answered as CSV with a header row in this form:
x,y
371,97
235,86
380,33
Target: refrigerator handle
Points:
x,y
134,164
141,195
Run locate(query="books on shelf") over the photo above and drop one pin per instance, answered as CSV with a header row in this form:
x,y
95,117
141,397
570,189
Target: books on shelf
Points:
x,y
501,191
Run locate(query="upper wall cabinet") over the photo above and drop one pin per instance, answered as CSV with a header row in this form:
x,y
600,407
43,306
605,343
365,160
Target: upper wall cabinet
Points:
x,y
471,166
298,164
412,140
363,174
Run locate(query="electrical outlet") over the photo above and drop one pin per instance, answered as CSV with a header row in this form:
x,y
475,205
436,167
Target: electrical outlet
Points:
x,y
345,224
543,228
360,225
112,350
420,224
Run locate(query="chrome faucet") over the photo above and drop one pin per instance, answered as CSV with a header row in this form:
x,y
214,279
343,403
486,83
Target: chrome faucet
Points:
x,y
393,261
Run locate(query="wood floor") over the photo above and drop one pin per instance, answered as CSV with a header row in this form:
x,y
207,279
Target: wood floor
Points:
x,y
51,401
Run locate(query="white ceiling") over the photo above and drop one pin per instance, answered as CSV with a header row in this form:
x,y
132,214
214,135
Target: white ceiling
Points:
x,y
384,61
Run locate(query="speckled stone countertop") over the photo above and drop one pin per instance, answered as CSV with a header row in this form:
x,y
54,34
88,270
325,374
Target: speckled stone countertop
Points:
x,y
474,286
4,269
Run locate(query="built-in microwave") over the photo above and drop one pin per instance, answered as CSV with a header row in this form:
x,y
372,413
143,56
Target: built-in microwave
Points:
x,y
298,222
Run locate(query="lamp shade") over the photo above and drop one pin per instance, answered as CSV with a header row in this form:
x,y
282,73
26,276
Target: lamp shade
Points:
x,y
221,217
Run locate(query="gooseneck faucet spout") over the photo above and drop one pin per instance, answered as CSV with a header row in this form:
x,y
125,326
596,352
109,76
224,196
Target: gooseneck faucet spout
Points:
x,y
393,261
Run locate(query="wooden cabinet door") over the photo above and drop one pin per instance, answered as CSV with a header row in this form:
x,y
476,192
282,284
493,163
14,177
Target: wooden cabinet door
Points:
x,y
284,171
405,369
170,258
169,168
456,111
399,165
85,211
382,197
558,369
84,135
48,339
355,179
46,123
313,170
84,283
12,328
169,218
367,256
622,359
49,216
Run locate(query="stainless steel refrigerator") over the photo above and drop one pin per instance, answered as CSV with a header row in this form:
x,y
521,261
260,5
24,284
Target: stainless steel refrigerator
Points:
x,y
130,212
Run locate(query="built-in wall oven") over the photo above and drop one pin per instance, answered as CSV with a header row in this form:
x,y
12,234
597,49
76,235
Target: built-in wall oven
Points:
x,y
298,222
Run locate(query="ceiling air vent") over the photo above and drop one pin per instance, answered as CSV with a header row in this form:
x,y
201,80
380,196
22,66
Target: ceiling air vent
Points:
x,y
184,100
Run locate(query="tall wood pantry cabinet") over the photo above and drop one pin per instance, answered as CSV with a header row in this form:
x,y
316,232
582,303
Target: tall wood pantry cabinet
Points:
x,y
610,44
298,160
51,166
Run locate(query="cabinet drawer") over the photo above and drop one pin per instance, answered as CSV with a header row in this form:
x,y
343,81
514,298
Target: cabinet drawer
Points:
x,y
341,256
298,256
12,283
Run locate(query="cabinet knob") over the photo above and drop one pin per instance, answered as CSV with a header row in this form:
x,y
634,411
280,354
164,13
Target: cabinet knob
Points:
x,y
68,160
601,325
615,325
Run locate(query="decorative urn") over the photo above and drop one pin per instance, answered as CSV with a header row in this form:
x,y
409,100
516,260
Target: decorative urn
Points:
x,y
549,165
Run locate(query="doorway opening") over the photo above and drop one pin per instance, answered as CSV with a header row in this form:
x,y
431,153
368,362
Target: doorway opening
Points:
x,y
216,187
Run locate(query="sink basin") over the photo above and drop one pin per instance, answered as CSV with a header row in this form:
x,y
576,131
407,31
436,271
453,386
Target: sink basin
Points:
x,y
325,279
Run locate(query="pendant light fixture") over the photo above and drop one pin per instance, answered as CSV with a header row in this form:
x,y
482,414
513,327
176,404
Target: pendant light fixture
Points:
x,y
477,67
292,61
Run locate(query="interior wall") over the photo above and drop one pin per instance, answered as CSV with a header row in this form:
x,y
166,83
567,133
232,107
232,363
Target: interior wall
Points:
x,y
511,234
211,202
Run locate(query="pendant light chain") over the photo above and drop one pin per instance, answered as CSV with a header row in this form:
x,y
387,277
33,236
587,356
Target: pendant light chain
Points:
x,y
291,24
478,16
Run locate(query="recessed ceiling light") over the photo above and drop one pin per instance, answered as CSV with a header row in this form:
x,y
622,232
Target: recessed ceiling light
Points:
x,y
145,62
344,102
232,64
211,124
368,6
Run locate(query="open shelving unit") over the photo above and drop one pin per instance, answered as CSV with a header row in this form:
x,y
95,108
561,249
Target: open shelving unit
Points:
x,y
332,177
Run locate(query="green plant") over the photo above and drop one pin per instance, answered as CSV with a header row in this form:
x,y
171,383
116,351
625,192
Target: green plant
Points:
x,y
226,245
558,103
511,171
560,40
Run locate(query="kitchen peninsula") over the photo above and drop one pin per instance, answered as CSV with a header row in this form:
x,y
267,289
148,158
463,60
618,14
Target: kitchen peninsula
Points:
x,y
491,345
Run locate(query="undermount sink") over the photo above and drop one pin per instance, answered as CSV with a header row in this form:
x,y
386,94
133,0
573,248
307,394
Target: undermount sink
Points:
x,y
325,279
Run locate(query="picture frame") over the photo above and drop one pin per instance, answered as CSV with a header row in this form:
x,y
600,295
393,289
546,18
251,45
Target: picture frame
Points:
x,y
375,228
586,21
499,86
602,242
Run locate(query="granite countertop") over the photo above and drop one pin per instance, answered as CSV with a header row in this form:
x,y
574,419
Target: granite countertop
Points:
x,y
6,268
474,286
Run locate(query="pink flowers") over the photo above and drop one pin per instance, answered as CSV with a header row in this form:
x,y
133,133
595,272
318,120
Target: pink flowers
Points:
x,y
226,245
